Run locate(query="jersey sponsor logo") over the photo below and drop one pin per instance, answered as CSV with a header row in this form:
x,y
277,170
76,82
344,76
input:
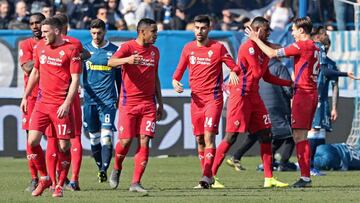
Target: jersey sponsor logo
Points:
x,y
50,60
210,53
91,66
251,51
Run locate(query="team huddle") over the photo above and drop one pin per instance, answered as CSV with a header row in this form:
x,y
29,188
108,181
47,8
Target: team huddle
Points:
x,y
125,79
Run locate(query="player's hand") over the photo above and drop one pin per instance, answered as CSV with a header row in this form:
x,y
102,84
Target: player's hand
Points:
x,y
63,110
251,34
134,59
178,87
334,114
23,105
233,78
352,76
159,112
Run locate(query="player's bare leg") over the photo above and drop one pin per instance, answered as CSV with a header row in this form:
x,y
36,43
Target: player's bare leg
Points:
x,y
141,160
303,155
121,150
38,157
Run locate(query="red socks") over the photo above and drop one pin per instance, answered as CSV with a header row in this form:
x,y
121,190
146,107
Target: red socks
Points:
x,y
209,159
303,154
64,161
266,156
140,161
36,155
202,160
76,157
221,151
31,165
52,152
120,154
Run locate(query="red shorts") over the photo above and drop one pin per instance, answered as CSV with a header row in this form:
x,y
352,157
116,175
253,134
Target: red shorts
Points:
x,y
135,120
246,114
26,116
50,131
205,114
76,115
303,109
46,114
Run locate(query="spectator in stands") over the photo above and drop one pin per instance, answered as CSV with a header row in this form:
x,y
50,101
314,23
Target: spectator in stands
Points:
x,y
128,8
121,25
144,10
228,22
47,10
20,20
102,14
164,13
113,14
279,16
344,13
178,22
4,14
80,13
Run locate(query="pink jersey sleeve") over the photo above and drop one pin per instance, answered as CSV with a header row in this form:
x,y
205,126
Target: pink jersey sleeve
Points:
x,y
228,60
75,61
291,50
183,63
26,52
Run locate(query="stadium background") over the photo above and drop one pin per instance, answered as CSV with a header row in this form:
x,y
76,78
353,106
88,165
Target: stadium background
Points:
x,y
174,132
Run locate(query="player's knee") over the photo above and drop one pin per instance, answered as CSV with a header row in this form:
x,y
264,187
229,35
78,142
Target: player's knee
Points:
x,y
94,138
231,138
264,136
64,145
106,141
106,137
200,140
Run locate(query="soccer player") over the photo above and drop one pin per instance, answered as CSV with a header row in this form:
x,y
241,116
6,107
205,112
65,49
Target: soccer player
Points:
x,y
26,62
76,147
204,58
139,60
246,111
306,59
100,96
57,68
328,73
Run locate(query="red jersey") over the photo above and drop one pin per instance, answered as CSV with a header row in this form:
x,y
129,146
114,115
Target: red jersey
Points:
x,y
26,55
73,41
306,59
56,64
138,80
254,66
205,67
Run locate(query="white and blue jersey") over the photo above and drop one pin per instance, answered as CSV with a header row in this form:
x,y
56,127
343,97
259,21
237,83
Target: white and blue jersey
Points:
x,y
328,72
100,83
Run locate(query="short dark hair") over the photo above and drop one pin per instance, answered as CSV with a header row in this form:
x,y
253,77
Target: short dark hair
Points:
x,y
97,23
304,23
62,18
54,22
39,15
259,21
202,19
145,22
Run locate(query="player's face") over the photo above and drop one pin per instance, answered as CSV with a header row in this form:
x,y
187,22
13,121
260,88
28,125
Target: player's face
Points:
x,y
201,31
97,35
150,34
35,26
49,34
295,32
265,32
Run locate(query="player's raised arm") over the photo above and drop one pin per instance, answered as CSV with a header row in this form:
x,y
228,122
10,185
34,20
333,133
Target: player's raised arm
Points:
x,y
254,36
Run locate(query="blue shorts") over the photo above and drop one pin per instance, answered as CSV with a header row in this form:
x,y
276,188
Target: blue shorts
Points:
x,y
97,117
322,117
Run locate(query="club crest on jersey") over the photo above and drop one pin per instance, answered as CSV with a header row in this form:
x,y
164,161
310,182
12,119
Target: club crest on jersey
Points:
x,y
210,53
192,60
152,54
21,53
42,59
251,51
62,53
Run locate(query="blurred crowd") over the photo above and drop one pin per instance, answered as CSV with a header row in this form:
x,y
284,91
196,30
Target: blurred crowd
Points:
x,y
229,15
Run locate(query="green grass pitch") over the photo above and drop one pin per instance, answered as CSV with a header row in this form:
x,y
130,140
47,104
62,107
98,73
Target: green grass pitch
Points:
x,y
172,180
